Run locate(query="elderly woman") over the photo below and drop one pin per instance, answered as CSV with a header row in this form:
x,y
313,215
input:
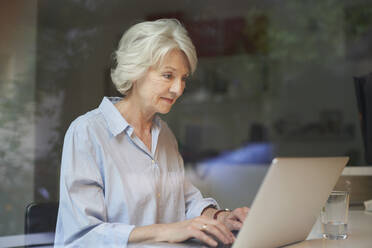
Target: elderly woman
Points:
x,y
122,177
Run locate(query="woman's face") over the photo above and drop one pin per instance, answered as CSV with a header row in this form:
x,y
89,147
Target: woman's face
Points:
x,y
160,87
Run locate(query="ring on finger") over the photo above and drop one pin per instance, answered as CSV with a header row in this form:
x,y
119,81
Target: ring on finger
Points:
x,y
204,227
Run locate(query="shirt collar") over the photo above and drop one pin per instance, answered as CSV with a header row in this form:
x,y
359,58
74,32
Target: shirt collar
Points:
x,y
115,121
156,122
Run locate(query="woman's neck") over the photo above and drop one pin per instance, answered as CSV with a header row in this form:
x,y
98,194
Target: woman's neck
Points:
x,y
135,115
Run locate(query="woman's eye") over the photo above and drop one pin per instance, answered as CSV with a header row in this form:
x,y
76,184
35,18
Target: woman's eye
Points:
x,y
167,76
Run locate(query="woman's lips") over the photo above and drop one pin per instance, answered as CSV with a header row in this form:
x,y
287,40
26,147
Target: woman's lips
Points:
x,y
169,100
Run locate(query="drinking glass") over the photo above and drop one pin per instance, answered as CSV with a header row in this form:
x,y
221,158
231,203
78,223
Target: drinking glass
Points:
x,y
334,215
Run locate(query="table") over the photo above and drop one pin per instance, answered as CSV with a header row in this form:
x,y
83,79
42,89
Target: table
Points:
x,y
360,236
35,240
359,226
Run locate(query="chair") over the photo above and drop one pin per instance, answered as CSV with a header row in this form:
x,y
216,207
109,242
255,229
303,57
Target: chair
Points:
x,y
40,218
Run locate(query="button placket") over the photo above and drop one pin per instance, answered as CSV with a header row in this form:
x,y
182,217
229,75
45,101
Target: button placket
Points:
x,y
154,163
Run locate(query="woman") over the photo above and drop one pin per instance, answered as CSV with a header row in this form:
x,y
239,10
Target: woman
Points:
x,y
122,178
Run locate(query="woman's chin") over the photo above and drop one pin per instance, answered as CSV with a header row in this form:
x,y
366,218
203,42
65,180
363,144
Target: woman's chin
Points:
x,y
164,110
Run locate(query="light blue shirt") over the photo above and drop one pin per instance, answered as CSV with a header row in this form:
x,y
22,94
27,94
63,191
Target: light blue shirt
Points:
x,y
111,182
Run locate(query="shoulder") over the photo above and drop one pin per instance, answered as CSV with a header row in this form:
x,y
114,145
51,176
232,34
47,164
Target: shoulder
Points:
x,y
81,149
84,125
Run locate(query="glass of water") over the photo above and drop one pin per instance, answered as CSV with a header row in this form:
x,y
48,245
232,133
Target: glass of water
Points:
x,y
334,215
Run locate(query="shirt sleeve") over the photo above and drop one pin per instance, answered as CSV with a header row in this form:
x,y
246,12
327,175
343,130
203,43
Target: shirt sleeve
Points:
x,y
194,200
82,216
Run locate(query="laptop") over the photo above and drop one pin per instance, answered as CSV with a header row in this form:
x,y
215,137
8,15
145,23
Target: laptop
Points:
x,y
289,201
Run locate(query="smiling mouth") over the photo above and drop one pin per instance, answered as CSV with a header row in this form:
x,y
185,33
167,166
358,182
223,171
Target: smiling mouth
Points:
x,y
169,100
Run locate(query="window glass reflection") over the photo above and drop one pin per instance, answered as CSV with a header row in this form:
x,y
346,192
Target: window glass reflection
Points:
x,y
274,78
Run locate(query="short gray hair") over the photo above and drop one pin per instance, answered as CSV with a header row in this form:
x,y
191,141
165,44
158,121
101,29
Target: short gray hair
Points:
x,y
144,45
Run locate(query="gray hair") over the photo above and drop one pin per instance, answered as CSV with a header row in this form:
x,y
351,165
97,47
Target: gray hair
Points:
x,y
144,45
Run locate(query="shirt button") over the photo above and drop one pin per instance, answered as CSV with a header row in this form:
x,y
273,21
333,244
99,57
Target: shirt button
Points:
x,y
158,195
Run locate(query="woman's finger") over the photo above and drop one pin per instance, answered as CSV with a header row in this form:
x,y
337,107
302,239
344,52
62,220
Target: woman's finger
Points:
x,y
196,233
223,228
234,225
216,232
226,231
240,214
217,227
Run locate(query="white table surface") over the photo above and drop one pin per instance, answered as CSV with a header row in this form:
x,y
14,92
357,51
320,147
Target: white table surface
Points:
x,y
359,226
359,229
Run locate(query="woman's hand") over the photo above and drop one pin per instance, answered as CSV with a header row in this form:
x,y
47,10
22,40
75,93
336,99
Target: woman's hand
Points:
x,y
234,219
202,228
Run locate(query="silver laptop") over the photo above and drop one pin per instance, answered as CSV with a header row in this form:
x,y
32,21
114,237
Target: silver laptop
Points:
x,y
289,201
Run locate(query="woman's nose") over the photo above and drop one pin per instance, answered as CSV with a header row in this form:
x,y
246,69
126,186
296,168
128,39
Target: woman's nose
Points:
x,y
177,87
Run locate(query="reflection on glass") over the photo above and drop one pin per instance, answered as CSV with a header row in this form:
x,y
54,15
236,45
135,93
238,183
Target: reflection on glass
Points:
x,y
286,68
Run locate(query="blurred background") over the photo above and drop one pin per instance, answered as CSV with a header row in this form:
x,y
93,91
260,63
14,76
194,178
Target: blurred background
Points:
x,y
275,78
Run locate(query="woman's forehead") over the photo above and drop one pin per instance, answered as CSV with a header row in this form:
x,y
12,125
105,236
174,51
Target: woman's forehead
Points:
x,y
175,60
